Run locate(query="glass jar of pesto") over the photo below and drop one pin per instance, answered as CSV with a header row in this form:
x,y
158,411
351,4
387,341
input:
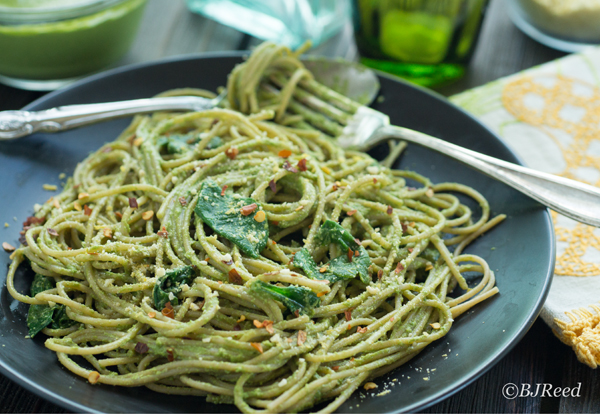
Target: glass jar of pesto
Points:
x,y
45,44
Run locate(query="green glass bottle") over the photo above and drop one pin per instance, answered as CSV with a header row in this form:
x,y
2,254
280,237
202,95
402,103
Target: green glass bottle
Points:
x,y
428,42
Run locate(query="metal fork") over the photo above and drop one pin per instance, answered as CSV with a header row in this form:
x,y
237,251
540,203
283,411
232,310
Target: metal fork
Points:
x,y
16,124
359,127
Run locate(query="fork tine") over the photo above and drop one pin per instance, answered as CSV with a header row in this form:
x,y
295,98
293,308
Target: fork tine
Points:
x,y
316,119
313,101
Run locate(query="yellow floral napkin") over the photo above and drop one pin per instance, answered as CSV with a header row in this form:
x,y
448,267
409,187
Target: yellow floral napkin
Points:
x,y
550,116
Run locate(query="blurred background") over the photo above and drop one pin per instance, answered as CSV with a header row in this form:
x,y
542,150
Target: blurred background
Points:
x,y
449,45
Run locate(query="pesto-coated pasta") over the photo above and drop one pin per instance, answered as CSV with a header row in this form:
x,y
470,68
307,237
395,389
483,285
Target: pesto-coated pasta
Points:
x,y
242,255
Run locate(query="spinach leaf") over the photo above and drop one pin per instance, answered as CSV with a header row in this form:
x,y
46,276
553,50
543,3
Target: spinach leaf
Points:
x,y
40,316
222,214
176,143
430,253
295,298
340,267
331,232
171,283
304,261
60,320
215,142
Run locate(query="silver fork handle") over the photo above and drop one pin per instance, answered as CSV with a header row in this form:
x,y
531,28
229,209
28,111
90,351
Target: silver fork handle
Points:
x,y
570,198
16,124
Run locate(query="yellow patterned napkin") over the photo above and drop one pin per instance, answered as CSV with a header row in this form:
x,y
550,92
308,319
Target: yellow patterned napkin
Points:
x,y
550,116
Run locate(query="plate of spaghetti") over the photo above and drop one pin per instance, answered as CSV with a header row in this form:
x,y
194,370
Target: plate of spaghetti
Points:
x,y
238,259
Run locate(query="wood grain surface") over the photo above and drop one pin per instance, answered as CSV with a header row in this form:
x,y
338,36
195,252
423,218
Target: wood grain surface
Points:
x,y
169,29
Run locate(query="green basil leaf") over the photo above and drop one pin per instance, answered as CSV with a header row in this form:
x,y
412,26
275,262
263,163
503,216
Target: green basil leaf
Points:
x,y
39,316
222,214
295,298
171,283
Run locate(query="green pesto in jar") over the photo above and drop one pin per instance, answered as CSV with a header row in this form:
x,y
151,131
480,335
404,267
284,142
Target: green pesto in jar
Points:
x,y
66,48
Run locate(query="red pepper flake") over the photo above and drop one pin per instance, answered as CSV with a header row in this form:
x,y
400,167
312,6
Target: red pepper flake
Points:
x,y
168,310
170,355
297,313
350,255
141,348
258,324
348,314
275,223
374,180
410,249
361,330
249,209
404,227
399,267
235,278
52,232
86,210
257,346
182,201
268,325
228,262
119,215
356,253
214,122
390,210
302,164
334,187
379,274
273,186
288,167
284,153
357,240
200,305
351,212
224,189
163,233
335,367
301,337
232,153
133,202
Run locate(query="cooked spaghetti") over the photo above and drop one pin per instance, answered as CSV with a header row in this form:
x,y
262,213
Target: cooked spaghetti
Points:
x,y
253,262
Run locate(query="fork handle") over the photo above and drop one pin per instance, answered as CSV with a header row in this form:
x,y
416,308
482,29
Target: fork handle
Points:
x,y
571,198
16,124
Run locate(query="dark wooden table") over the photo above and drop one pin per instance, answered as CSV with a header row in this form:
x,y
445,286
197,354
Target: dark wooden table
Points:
x,y
169,29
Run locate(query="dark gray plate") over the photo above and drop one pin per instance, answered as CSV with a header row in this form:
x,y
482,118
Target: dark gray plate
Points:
x,y
520,250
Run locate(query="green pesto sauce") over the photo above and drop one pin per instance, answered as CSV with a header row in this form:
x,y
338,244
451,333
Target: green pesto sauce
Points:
x,y
67,48
34,4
